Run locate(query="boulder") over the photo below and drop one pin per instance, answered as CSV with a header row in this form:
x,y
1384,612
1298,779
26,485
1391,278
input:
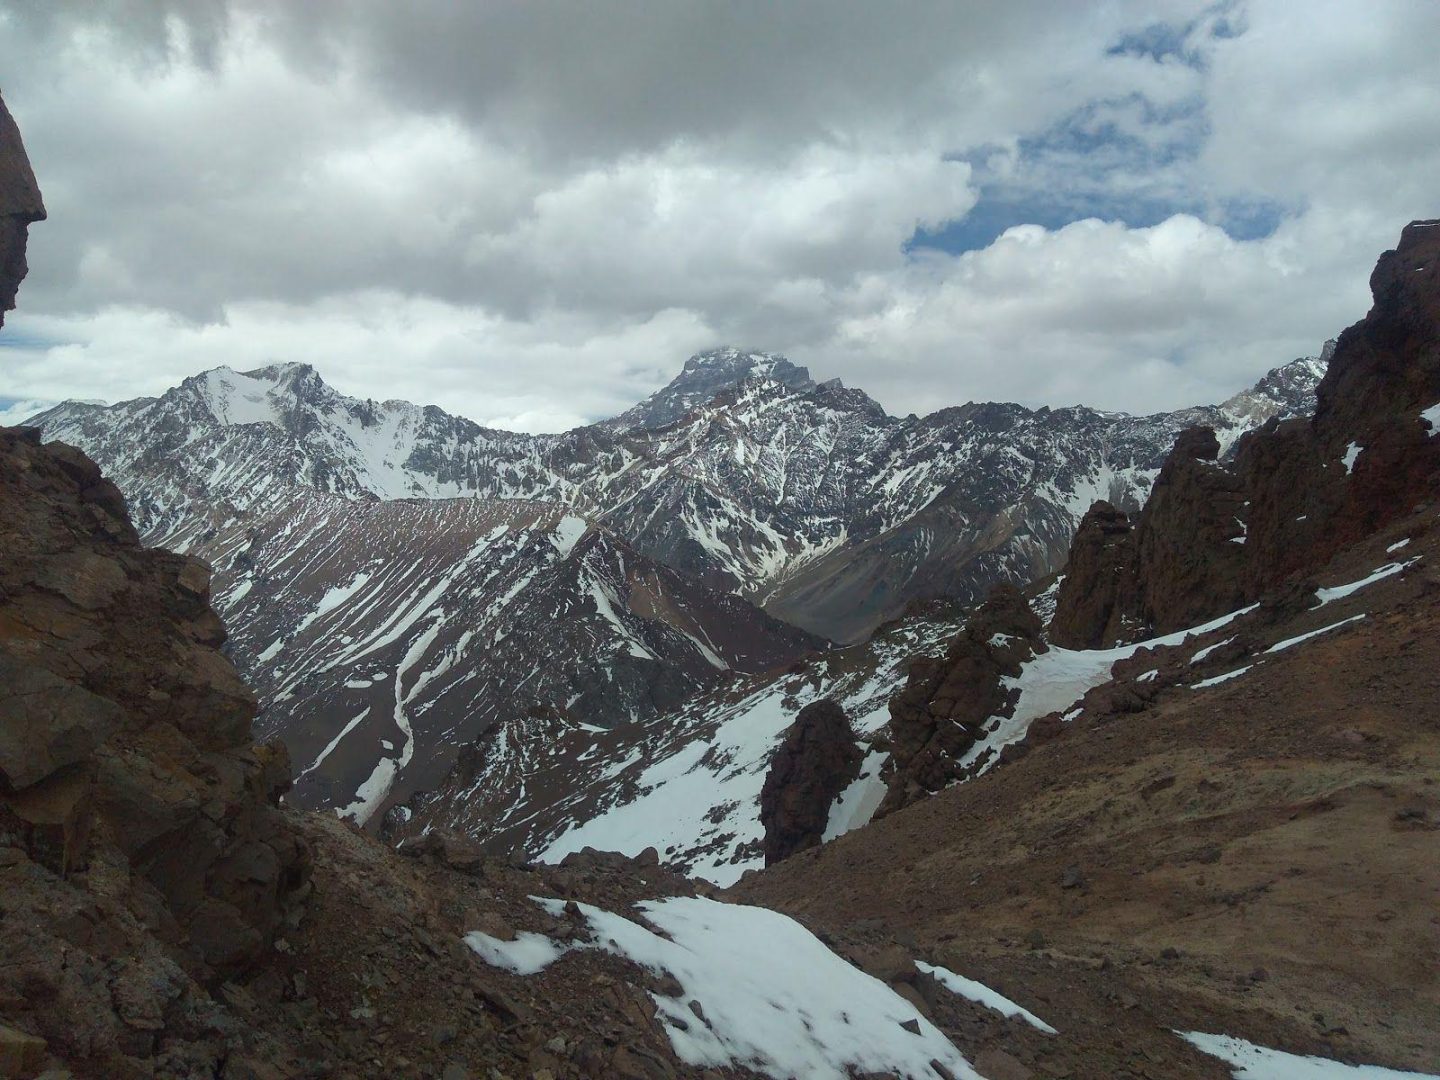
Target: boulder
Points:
x,y
939,713
816,761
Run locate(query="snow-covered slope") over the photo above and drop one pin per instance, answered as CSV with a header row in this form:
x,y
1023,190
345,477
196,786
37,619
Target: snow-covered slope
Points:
x,y
382,636
686,782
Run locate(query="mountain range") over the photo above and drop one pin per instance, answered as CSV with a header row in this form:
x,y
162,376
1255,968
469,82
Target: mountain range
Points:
x,y
397,581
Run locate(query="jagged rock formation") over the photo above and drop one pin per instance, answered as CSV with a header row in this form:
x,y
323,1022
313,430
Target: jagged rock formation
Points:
x,y
816,761
1370,453
20,206
940,712
1214,536
1100,590
132,799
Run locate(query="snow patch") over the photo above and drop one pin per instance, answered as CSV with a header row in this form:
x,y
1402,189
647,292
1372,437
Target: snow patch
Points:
x,y
856,805
774,998
1253,1062
1340,591
528,954
1218,679
1203,653
983,995
1351,453
1431,418
1281,646
1055,679
567,533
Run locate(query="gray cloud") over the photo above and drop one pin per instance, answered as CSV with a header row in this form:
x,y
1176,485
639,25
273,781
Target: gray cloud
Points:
x,y
531,213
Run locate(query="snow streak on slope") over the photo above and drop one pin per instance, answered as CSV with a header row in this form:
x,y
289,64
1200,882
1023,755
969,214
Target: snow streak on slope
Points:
x,y
382,636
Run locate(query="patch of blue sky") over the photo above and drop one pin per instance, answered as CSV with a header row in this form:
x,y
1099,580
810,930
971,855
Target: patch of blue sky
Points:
x,y
1123,159
16,335
1184,42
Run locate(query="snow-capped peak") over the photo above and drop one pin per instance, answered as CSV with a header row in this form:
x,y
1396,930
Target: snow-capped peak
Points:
x,y
706,375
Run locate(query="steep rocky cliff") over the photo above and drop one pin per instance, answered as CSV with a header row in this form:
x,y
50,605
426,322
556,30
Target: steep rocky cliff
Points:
x,y
1214,535
20,206
139,829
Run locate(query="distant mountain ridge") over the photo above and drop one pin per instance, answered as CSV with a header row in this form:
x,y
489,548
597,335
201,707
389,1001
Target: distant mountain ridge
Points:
x,y
397,580
806,498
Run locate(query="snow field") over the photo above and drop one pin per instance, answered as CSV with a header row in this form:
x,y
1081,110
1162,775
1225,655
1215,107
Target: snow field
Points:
x,y
774,998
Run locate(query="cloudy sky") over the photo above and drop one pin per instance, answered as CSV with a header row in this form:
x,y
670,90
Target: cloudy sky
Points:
x,y
531,213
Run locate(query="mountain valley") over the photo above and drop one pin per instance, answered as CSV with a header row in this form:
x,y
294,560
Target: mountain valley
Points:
x,y
449,554
751,733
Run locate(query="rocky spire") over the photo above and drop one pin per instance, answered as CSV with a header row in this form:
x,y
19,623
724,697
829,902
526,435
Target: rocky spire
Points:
x,y
20,204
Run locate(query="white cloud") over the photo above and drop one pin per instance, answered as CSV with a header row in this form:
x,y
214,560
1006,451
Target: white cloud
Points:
x,y
531,219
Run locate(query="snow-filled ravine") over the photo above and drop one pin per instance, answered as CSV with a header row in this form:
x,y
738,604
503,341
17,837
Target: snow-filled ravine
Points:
x,y
773,998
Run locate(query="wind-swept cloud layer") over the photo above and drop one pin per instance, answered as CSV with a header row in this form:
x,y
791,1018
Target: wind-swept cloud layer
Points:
x,y
531,213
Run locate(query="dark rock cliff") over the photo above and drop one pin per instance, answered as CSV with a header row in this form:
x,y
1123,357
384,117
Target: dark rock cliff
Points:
x,y
816,762
1213,536
20,205
124,733
1100,591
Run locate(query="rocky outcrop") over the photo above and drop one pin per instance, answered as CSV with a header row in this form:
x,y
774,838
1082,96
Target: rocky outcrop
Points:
x,y
1214,536
131,793
1190,540
939,713
816,761
1368,456
1097,602
20,205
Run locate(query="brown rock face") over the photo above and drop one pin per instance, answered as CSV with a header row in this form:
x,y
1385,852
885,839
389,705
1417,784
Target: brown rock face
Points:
x,y
1191,538
1212,538
124,734
1099,599
20,204
816,762
938,714
1385,372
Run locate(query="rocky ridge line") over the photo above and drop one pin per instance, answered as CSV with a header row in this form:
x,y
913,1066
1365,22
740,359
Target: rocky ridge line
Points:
x,y
1215,535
